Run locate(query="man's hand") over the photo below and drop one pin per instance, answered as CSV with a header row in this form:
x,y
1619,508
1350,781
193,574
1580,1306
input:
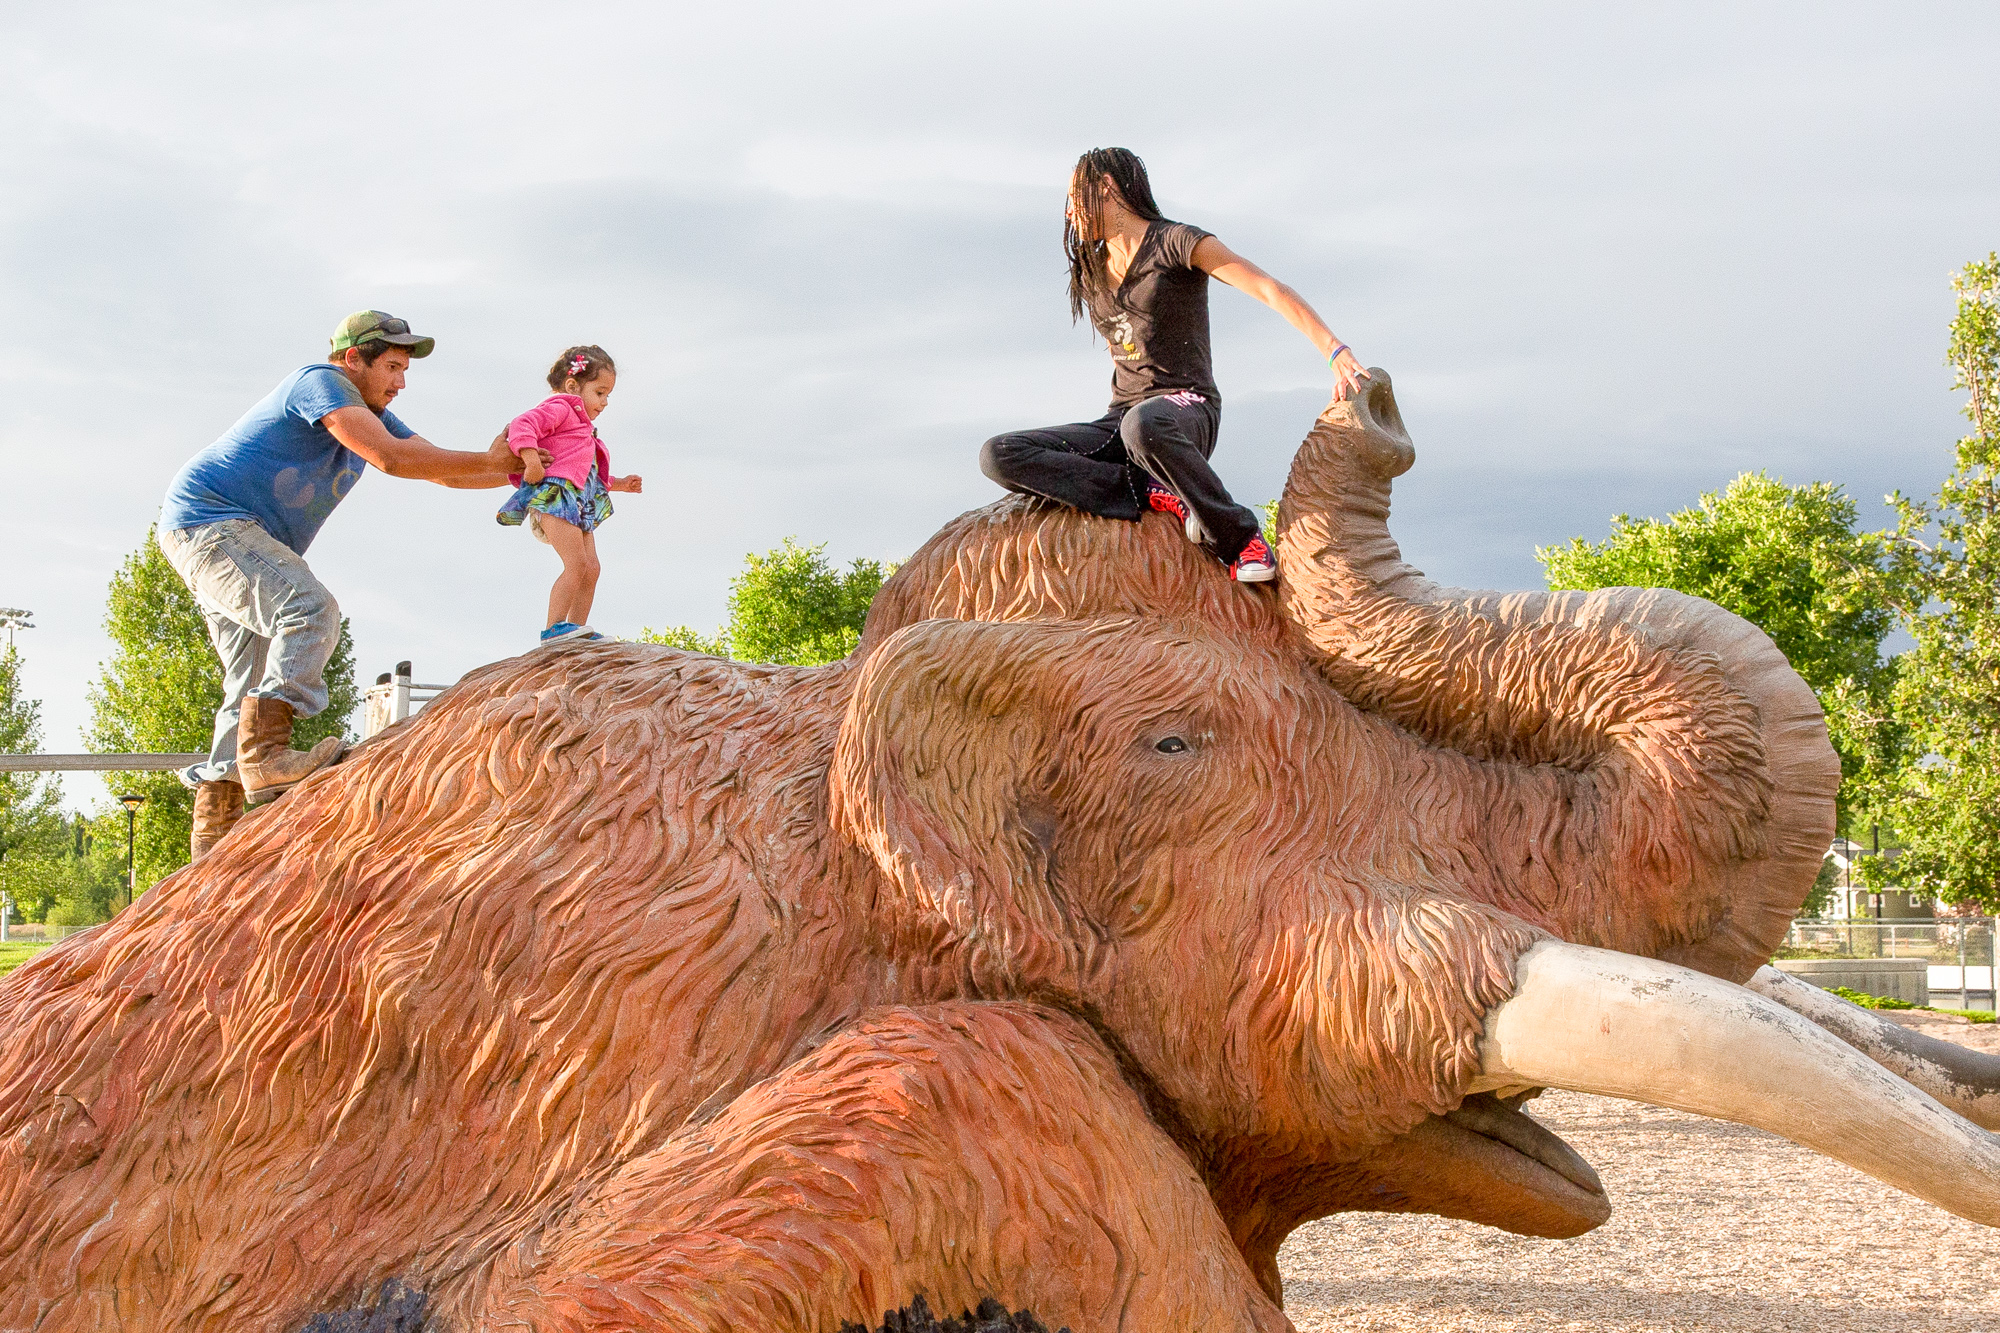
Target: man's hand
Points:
x,y
503,460
634,484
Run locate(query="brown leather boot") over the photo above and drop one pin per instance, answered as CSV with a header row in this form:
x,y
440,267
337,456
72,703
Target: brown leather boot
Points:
x,y
217,807
265,759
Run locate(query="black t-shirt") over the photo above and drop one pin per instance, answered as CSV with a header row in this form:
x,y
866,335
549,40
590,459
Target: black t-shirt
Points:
x,y
1156,321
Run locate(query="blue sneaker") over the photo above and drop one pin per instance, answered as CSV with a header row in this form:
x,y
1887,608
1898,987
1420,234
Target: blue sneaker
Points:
x,y
563,629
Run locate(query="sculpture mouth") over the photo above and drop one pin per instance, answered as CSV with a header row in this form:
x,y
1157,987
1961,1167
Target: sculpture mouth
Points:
x,y
1489,1163
1504,1123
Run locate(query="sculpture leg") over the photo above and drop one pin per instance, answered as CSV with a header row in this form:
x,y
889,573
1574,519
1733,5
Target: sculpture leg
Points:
x,y
955,1152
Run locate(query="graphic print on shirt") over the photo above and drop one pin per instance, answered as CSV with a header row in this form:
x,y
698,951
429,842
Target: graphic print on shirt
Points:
x,y
292,489
1118,333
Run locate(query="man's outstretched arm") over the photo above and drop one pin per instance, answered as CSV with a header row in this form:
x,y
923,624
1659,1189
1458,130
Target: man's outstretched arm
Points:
x,y
417,458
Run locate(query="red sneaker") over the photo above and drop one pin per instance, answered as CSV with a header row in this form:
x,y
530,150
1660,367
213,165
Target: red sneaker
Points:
x,y
1256,564
1166,502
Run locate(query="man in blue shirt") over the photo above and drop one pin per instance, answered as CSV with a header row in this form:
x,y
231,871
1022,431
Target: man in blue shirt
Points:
x,y
236,524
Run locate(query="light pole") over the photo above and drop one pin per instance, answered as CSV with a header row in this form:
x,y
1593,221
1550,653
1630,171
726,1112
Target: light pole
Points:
x,y
13,618
131,804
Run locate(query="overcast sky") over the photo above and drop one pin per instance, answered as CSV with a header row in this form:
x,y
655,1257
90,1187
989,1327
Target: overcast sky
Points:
x,y
1613,255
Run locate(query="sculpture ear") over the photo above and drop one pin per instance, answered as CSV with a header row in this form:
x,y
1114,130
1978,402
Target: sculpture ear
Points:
x,y
944,756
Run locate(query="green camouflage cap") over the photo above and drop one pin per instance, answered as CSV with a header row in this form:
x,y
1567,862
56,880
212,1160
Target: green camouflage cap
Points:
x,y
368,326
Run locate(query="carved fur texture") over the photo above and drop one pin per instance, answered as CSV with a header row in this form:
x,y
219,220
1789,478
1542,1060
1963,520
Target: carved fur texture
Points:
x,y
1097,923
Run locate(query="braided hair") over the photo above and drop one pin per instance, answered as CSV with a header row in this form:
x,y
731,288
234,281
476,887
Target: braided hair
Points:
x,y
1099,172
582,364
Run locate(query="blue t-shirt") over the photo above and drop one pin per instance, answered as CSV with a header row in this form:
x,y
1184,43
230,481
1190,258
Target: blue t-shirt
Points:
x,y
278,465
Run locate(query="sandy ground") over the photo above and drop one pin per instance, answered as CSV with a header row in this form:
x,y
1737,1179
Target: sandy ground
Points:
x,y
1715,1227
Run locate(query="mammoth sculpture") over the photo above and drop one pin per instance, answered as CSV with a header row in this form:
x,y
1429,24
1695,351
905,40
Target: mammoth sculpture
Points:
x,y
1098,922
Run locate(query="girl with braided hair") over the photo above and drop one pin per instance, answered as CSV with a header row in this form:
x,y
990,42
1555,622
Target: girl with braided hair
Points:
x,y
564,503
1143,281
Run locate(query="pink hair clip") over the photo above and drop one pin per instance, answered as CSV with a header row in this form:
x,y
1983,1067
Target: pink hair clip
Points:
x,y
578,362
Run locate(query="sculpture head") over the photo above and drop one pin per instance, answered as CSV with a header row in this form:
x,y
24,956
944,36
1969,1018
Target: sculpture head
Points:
x,y
1198,842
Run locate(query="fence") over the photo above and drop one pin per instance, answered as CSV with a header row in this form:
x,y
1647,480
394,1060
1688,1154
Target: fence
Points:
x,y
1960,950
34,932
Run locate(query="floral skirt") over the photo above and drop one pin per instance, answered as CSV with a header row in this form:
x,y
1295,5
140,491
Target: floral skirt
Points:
x,y
582,507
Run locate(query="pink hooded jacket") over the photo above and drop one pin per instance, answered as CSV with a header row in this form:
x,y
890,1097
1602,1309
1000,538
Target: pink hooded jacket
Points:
x,y
560,425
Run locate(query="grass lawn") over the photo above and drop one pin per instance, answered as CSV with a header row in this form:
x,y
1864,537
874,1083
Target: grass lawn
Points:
x,y
17,952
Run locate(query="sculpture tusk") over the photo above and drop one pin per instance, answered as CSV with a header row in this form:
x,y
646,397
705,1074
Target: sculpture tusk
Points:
x,y
1967,1082
1611,1023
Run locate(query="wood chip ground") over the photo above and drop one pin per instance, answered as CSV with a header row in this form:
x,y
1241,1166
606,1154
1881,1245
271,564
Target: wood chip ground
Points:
x,y
1715,1227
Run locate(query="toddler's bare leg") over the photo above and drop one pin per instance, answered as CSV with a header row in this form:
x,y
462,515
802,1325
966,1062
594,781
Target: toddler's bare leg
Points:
x,y
578,580
586,597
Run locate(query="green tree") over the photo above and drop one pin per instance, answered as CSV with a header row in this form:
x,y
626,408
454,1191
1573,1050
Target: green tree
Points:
x,y
31,824
159,692
1789,560
1944,801
689,639
789,606
85,882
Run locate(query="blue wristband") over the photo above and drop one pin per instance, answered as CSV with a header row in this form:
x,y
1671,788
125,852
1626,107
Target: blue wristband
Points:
x,y
1334,355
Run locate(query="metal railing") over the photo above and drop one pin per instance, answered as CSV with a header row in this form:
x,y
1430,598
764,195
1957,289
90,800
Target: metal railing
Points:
x,y
392,698
96,763
1959,949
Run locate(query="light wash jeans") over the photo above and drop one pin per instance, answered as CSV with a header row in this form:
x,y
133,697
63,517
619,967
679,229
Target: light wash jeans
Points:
x,y
272,623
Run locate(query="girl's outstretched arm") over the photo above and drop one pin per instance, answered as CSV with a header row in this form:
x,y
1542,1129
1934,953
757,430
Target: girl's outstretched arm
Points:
x,y
634,483
1217,260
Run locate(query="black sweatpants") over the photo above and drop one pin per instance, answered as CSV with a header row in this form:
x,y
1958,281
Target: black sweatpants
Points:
x,y
1102,466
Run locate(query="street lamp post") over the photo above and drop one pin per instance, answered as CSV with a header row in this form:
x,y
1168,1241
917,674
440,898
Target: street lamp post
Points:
x,y
131,803
13,618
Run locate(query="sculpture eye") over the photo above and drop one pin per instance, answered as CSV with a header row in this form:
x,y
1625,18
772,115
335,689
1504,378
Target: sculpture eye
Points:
x,y
1171,745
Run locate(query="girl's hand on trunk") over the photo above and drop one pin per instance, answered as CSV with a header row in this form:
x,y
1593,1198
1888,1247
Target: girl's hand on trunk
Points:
x,y
1348,374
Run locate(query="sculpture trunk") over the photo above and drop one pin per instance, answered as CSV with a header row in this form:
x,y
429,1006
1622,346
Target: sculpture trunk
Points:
x,y
1651,774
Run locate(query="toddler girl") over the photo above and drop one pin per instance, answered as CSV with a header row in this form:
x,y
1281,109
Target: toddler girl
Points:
x,y
563,504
